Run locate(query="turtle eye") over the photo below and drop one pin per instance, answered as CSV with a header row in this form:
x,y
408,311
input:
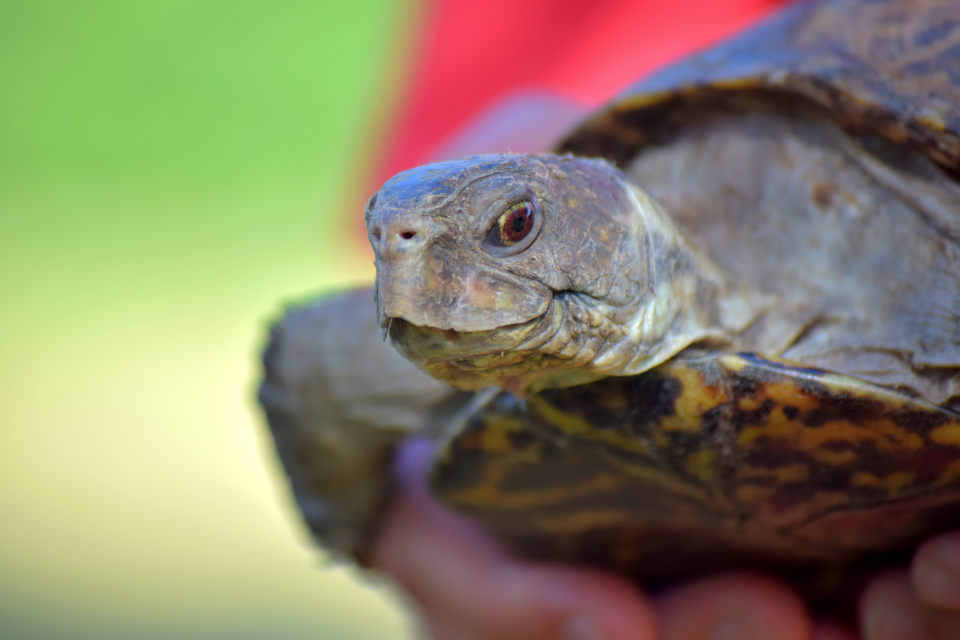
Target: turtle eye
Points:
x,y
513,225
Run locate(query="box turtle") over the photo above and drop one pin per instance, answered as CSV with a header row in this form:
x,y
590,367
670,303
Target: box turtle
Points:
x,y
719,327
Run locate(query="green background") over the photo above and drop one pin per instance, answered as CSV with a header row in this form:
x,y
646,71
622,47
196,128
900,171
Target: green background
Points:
x,y
170,173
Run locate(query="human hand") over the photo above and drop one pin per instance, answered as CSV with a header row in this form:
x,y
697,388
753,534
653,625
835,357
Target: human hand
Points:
x,y
921,602
465,588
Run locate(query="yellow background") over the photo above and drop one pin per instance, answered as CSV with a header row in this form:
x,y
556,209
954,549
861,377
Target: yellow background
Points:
x,y
170,172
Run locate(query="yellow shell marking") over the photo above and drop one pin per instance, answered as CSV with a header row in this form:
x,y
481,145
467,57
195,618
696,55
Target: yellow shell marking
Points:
x,y
659,478
578,426
893,483
751,495
613,402
487,493
788,473
884,434
700,464
947,434
951,473
496,438
585,520
695,400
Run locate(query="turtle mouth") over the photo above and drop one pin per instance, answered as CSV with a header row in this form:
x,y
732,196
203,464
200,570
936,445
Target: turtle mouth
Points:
x,y
490,349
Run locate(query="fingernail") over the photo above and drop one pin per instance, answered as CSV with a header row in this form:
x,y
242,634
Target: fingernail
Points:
x,y
937,585
580,628
412,463
893,624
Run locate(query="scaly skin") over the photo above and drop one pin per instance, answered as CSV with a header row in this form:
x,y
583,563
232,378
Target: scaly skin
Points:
x,y
604,284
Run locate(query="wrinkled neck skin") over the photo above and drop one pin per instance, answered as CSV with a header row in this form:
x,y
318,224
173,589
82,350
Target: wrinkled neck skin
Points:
x,y
608,286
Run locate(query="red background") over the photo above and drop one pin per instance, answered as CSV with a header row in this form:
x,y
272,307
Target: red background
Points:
x,y
471,53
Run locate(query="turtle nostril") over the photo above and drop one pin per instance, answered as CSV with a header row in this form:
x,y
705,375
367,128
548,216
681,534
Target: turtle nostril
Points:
x,y
406,235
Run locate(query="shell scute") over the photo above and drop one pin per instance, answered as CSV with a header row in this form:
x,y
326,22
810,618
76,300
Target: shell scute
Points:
x,y
896,74
754,457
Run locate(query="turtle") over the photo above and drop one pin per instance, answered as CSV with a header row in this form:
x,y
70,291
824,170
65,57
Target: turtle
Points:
x,y
718,326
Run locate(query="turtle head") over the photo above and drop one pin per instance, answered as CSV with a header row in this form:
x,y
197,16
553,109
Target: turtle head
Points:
x,y
532,271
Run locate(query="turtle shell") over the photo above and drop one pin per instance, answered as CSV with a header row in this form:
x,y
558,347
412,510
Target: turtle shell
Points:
x,y
714,462
875,67
702,463
732,460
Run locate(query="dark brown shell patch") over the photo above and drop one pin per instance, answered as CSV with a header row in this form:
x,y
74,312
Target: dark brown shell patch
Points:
x,y
742,454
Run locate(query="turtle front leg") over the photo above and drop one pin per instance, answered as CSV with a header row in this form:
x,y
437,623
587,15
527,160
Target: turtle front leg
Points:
x,y
338,401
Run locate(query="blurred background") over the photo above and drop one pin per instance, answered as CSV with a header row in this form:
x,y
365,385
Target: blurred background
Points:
x,y
171,173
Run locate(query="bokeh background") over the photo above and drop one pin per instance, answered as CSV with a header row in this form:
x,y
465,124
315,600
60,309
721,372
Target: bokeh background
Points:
x,y
171,172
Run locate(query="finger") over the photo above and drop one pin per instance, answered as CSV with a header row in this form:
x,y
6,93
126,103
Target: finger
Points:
x,y
462,582
440,630
733,607
935,573
890,610
466,588
831,630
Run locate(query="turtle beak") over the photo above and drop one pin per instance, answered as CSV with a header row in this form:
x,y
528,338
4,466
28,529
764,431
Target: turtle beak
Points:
x,y
383,320
397,238
446,294
385,328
